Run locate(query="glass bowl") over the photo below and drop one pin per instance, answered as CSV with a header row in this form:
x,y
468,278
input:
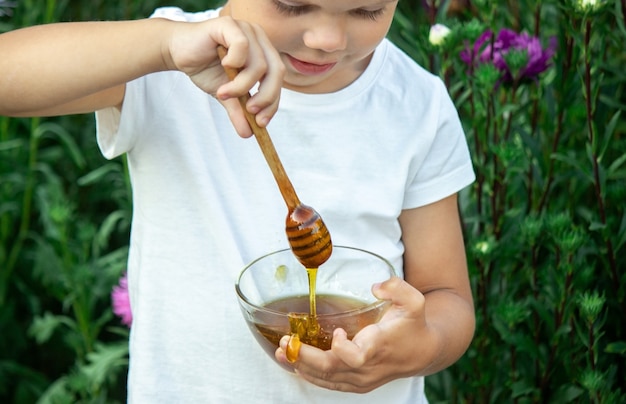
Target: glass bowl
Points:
x,y
273,294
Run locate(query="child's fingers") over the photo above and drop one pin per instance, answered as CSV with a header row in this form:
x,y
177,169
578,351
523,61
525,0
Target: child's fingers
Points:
x,y
237,117
265,102
256,62
405,299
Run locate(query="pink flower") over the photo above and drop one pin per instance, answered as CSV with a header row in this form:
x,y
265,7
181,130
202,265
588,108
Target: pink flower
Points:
x,y
121,301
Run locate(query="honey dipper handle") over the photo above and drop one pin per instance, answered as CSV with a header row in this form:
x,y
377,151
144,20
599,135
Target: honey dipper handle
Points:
x,y
265,142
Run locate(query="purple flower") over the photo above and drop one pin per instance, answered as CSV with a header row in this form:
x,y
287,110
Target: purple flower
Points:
x,y
501,51
121,301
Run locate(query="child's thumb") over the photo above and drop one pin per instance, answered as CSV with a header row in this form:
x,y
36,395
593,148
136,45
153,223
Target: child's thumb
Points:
x,y
402,295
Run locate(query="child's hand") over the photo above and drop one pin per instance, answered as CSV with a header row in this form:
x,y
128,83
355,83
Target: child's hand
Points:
x,y
401,344
192,50
431,320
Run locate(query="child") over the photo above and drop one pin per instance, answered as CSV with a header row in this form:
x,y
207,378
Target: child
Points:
x,y
368,138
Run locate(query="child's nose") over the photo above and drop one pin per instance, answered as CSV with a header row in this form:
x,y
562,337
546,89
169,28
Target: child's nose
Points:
x,y
327,34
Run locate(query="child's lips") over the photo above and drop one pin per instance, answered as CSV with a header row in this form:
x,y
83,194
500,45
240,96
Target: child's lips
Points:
x,y
308,68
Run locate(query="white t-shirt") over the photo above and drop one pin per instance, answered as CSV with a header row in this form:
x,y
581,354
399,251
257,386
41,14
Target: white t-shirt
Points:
x,y
205,204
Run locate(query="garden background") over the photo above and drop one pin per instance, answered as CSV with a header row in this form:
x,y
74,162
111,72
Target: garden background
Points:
x,y
543,106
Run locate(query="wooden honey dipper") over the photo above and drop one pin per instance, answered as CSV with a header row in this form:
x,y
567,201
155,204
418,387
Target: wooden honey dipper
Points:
x,y
308,236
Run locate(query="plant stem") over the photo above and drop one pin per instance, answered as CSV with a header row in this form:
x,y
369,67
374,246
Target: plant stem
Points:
x,y
480,177
567,64
513,367
5,221
537,15
592,356
27,201
589,106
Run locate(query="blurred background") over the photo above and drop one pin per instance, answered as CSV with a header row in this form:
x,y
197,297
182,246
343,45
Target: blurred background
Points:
x,y
540,88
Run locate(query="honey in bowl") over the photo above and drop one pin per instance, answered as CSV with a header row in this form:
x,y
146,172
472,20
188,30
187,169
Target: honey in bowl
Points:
x,y
274,298
332,311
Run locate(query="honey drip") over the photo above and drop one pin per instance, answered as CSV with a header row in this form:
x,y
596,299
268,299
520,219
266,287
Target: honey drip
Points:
x,y
312,274
304,326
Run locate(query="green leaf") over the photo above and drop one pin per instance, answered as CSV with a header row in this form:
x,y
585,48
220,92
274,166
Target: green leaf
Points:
x,y
568,393
97,174
30,381
107,228
57,393
12,144
612,171
618,347
595,226
522,388
44,326
571,161
66,139
609,130
621,235
104,361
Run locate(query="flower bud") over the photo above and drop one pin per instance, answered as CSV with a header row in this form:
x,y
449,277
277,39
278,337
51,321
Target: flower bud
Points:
x,y
587,4
438,34
591,305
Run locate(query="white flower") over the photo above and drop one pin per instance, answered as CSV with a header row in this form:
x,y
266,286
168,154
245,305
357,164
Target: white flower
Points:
x,y
483,247
438,34
585,5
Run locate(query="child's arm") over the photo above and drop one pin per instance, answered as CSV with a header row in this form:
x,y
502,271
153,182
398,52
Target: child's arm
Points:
x,y
67,68
435,263
430,323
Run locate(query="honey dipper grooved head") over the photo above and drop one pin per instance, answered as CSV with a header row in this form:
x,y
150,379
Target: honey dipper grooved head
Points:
x,y
308,236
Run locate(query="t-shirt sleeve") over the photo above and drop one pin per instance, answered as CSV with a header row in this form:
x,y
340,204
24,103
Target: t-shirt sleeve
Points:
x,y
117,130
447,167
114,128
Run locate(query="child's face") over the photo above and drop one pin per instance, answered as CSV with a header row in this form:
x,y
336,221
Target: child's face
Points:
x,y
325,44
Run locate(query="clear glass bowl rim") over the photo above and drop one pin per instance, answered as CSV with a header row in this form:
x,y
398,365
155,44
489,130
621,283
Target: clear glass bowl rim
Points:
x,y
367,307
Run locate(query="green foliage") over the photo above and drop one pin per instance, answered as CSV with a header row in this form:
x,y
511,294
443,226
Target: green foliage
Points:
x,y
546,219
63,245
64,228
